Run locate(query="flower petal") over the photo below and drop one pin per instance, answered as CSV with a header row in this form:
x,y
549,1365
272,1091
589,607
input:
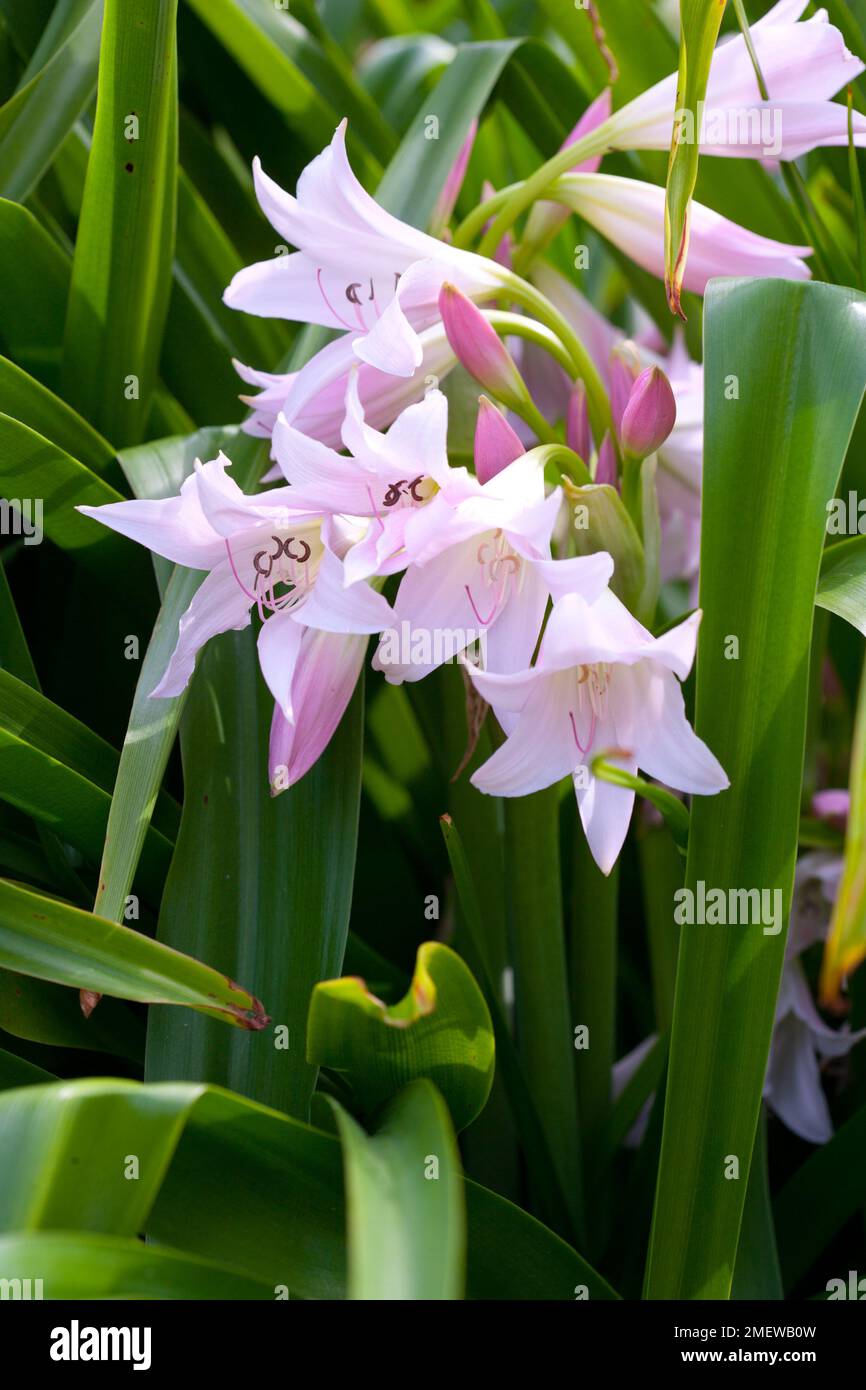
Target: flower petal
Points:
x,y
279,645
219,605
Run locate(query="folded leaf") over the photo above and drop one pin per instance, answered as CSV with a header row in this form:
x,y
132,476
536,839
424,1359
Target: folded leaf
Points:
x,y
440,1030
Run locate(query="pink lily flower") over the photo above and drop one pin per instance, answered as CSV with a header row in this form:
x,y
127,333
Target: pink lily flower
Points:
x,y
386,478
801,1039
313,399
263,553
630,214
793,1086
602,684
804,66
357,267
481,572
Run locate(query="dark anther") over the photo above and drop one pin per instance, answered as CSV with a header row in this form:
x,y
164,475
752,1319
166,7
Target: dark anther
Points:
x,y
412,486
301,559
395,492
352,292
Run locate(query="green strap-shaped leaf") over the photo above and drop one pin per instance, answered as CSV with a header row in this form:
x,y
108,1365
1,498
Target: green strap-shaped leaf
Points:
x,y
77,1266
34,283
261,43
121,272
539,1162
405,1200
56,86
25,399
209,1165
700,21
46,938
259,885
831,1187
39,473
846,941
842,583
61,774
440,1030
774,450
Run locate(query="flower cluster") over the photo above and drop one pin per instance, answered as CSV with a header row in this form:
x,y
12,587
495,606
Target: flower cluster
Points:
x,y
541,567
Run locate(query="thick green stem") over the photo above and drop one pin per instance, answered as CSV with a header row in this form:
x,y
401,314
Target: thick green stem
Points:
x,y
583,366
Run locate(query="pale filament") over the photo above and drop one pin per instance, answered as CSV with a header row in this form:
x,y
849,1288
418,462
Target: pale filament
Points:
x,y
502,570
593,683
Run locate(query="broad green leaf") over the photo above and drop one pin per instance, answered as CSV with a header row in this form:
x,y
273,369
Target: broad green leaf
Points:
x,y
258,37
14,1071
209,1165
155,470
46,938
417,172
260,885
700,21
77,1266
41,1012
52,484
395,70
757,1275
56,86
25,399
61,774
846,942
404,1198
544,1025
831,1187
34,282
440,1030
206,262
542,1172
842,582
121,272
762,539
147,744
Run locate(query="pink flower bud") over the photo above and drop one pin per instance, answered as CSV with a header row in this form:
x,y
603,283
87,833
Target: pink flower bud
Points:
x,y
605,468
624,372
832,806
447,199
496,443
502,254
650,415
478,347
577,432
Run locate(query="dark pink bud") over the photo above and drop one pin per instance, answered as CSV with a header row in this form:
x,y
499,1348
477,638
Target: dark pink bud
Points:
x,y
624,371
650,415
577,432
478,347
496,443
